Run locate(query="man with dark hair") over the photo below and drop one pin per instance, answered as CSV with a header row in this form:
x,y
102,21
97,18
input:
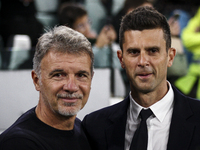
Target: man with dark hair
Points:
x,y
62,73
69,13
75,16
155,115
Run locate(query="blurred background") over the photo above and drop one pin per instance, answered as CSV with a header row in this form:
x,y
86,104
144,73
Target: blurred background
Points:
x,y
23,21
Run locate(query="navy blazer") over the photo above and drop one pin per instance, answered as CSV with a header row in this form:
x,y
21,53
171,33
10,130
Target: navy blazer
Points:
x,y
105,128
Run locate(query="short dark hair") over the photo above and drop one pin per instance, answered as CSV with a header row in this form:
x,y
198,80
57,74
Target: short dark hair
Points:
x,y
144,18
69,13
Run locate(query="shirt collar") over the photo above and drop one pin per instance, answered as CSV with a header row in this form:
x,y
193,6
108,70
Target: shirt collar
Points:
x,y
159,109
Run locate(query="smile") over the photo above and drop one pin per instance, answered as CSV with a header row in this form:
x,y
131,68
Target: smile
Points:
x,y
69,99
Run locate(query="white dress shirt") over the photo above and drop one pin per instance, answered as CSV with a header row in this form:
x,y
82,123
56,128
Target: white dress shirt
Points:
x,y
158,124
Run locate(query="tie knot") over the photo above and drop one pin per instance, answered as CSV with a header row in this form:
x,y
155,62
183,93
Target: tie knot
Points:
x,y
145,113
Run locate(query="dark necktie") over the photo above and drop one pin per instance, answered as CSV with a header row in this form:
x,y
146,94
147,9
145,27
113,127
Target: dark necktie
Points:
x,y
140,138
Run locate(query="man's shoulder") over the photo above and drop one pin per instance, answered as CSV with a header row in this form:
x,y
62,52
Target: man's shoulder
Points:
x,y
96,123
194,104
23,139
20,128
14,134
185,103
109,111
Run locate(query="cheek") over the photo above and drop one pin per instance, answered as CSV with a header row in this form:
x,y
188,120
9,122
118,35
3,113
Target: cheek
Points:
x,y
52,87
161,67
130,63
85,88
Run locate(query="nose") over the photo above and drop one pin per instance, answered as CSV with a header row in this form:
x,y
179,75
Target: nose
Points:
x,y
70,85
143,59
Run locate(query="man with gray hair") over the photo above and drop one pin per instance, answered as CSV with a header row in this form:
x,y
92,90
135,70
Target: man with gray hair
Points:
x,y
62,73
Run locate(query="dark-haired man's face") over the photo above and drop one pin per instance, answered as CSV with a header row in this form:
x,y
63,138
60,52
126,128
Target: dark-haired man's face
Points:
x,y
145,60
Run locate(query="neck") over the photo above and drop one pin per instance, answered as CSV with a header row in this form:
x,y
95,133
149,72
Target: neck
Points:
x,y
54,119
146,99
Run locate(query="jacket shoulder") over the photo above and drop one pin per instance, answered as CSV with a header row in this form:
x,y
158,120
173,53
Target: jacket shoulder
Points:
x,y
110,111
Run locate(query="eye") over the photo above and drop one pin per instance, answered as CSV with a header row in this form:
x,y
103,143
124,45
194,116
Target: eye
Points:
x,y
153,50
81,75
133,51
59,75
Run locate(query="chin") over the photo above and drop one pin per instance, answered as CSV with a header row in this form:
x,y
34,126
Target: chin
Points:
x,y
67,112
145,90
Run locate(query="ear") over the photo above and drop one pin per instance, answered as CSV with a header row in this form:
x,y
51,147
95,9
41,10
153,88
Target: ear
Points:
x,y
35,80
120,57
171,56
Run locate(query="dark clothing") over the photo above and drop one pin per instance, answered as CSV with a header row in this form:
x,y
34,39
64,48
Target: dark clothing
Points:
x,y
116,21
29,133
105,128
167,6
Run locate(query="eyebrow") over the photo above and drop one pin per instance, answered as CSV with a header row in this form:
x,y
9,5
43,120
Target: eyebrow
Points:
x,y
56,70
152,47
132,48
61,70
83,71
146,48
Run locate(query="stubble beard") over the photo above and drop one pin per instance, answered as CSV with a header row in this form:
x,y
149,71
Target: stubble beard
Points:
x,y
69,109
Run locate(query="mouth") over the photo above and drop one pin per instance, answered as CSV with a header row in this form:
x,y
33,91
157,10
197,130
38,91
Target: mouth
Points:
x,y
70,98
144,75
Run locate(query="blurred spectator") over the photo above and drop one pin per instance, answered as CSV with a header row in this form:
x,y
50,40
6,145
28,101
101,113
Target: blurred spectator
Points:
x,y
101,12
107,5
129,5
180,63
167,7
185,8
76,17
18,17
190,84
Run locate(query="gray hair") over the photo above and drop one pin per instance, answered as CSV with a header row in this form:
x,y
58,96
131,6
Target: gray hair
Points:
x,y
61,39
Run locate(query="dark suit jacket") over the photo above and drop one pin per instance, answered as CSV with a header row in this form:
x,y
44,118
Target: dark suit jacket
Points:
x,y
105,128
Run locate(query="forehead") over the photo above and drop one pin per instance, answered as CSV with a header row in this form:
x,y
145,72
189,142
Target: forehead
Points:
x,y
150,37
58,60
80,20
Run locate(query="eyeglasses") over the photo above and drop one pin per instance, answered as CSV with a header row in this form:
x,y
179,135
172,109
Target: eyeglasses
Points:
x,y
82,26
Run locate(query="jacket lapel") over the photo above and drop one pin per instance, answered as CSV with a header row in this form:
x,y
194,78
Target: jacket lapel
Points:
x,y
116,130
180,134
181,131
